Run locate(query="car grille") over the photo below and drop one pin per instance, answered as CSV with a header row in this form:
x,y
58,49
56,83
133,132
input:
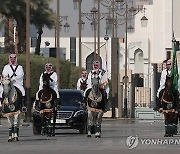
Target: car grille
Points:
x,y
64,114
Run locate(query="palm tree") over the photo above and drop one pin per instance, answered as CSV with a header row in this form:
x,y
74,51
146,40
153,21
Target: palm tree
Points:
x,y
9,35
15,10
41,16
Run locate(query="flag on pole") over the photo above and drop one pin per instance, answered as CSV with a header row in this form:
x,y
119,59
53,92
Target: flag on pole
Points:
x,y
174,71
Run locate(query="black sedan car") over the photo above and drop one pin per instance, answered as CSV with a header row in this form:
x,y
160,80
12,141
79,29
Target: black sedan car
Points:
x,y
70,115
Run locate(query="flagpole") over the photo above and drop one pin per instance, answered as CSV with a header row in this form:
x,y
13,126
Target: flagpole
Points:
x,y
174,70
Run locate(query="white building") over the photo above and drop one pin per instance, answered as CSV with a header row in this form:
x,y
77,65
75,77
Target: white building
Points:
x,y
147,48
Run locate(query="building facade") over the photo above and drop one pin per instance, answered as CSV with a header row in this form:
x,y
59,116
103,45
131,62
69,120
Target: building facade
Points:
x,y
148,47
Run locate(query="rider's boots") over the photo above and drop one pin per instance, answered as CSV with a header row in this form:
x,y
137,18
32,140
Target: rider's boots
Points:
x,y
16,133
10,135
175,129
167,130
171,130
49,128
23,106
43,130
89,131
98,131
0,102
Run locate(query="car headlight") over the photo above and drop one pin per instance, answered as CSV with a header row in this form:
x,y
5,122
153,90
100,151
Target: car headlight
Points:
x,y
78,113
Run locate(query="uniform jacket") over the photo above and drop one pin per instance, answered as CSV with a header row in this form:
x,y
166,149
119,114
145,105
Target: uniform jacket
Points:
x,y
17,74
102,79
163,80
53,83
82,84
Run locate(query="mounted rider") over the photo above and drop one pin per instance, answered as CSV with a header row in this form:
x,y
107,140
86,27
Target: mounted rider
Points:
x,y
166,72
82,81
53,83
1,91
15,72
102,74
96,107
167,100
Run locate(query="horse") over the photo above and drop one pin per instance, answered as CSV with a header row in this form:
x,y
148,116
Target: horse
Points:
x,y
47,106
95,103
168,101
12,105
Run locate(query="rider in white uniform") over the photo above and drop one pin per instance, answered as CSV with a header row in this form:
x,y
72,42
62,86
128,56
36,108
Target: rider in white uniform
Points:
x,y
165,72
15,72
103,80
82,81
1,91
53,82
95,117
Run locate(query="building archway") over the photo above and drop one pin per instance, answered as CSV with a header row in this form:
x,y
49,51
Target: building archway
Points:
x,y
138,61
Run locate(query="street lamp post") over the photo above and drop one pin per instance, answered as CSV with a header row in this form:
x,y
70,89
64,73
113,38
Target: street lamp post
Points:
x,y
28,89
128,12
110,21
94,27
57,45
126,77
58,26
98,30
78,3
143,24
94,18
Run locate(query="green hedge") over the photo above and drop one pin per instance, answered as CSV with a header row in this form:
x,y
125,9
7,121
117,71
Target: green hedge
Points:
x,y
68,72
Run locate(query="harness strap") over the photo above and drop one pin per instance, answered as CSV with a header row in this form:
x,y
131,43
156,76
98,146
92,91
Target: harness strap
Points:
x,y
14,70
49,75
168,102
93,109
99,72
84,81
167,72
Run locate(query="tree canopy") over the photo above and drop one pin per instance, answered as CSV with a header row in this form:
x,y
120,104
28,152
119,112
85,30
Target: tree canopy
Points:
x,y
41,15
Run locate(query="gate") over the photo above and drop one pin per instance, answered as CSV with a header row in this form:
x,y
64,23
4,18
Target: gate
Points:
x,y
142,97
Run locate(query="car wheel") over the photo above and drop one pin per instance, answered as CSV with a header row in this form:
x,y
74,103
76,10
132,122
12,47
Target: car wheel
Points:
x,y
83,130
36,130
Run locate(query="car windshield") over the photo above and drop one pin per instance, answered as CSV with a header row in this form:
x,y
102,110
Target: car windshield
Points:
x,y
67,99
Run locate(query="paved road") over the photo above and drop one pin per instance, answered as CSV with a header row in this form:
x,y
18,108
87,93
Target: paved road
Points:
x,y
148,139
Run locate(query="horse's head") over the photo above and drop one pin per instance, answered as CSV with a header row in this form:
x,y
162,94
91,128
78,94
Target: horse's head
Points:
x,y
46,79
95,79
168,95
95,82
169,83
7,85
